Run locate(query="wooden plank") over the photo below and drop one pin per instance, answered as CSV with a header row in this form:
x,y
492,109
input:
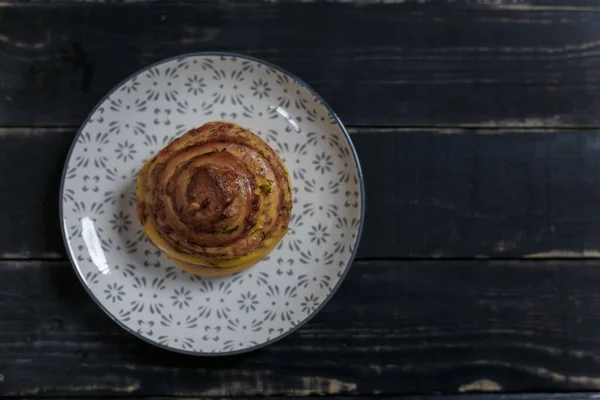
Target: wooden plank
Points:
x,y
486,63
32,161
394,327
449,193
430,193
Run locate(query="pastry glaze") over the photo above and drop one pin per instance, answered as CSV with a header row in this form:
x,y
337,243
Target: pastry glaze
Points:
x,y
216,200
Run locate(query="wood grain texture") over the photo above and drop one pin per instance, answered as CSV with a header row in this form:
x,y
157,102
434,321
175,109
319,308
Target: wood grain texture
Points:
x,y
393,328
441,193
486,63
32,161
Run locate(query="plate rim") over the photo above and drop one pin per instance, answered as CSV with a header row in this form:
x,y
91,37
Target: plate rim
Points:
x,y
78,271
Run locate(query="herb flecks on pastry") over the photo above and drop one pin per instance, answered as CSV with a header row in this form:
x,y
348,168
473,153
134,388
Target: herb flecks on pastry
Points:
x,y
216,200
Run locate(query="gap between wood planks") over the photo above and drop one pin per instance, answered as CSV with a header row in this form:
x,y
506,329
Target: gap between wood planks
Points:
x,y
530,125
489,128
535,259
475,395
521,5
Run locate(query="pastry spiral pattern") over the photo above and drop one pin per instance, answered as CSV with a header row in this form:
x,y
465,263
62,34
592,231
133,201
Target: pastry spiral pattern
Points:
x,y
216,200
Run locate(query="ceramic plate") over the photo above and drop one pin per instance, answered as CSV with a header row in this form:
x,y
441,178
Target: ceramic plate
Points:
x,y
128,277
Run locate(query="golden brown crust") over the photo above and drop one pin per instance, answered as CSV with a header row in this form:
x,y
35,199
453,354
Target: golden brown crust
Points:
x,y
218,196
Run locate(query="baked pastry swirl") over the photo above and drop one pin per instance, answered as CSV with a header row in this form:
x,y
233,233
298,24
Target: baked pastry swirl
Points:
x,y
216,200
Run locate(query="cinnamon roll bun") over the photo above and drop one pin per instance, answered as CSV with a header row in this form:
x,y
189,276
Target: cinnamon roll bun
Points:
x,y
216,200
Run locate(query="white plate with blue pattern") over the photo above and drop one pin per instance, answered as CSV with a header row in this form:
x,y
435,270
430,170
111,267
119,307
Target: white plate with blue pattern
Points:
x,y
140,289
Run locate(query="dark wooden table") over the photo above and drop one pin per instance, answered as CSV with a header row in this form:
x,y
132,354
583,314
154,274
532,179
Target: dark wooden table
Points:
x,y
477,124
